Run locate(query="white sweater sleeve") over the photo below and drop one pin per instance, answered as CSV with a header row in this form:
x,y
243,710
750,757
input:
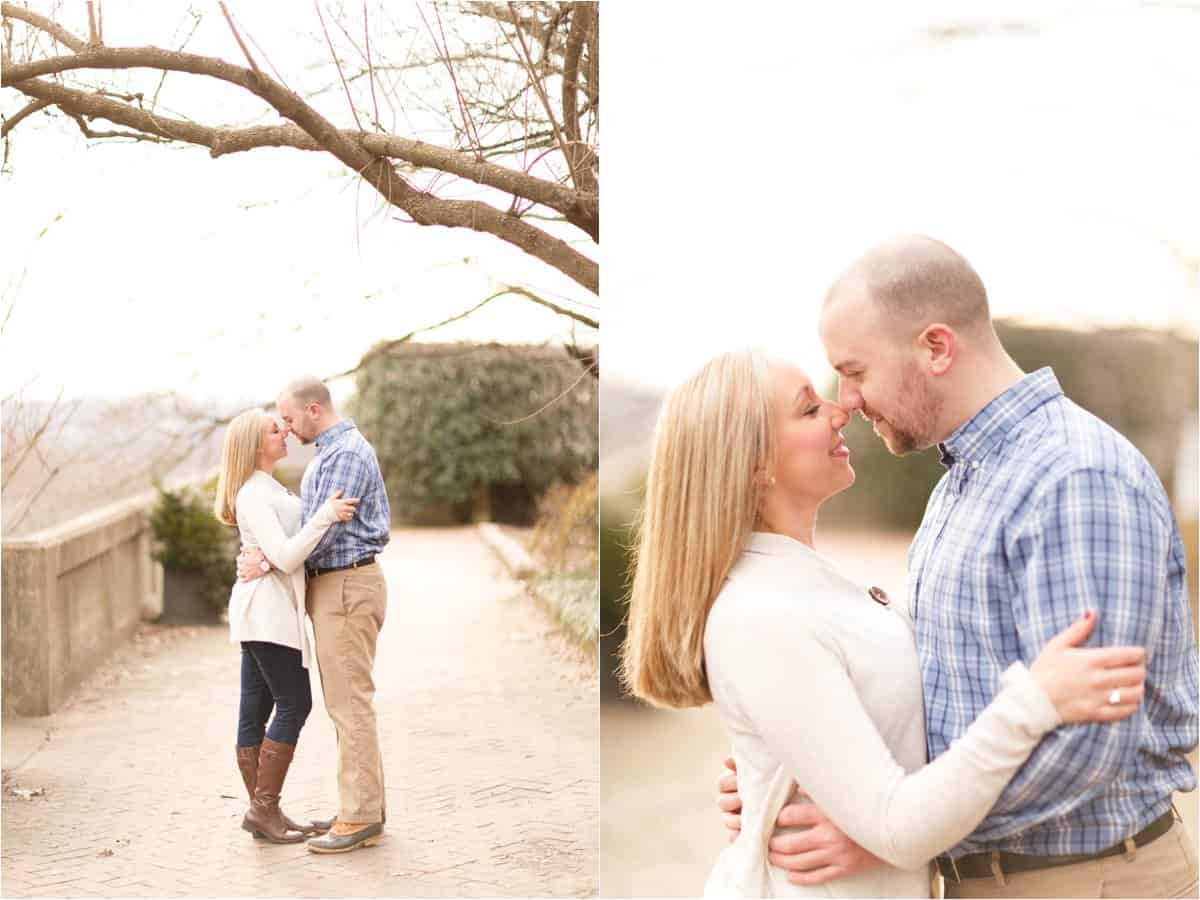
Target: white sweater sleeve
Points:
x,y
284,553
814,724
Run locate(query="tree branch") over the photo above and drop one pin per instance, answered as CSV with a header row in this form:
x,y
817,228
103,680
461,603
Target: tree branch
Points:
x,y
561,310
93,33
580,209
540,89
89,132
24,112
237,37
505,290
338,65
423,207
587,370
578,153
56,31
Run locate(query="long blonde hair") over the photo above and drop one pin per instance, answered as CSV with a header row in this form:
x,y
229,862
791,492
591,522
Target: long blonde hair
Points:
x,y
713,440
239,458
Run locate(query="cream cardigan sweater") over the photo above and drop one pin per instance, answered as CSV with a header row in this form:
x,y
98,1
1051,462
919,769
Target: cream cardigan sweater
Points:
x,y
817,682
271,608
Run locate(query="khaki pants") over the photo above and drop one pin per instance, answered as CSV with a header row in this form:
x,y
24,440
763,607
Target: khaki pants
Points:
x,y
347,610
1165,867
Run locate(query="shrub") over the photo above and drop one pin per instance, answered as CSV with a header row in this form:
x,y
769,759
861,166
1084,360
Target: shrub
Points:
x,y
565,536
190,539
566,545
450,422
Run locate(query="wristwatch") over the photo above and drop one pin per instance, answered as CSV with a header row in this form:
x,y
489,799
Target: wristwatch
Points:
x,y
264,567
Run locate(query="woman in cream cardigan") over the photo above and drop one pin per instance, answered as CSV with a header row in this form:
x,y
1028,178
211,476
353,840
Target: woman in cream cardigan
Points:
x,y
731,603
266,615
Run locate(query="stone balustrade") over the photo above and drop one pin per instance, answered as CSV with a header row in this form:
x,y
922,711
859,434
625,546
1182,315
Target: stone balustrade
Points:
x,y
72,594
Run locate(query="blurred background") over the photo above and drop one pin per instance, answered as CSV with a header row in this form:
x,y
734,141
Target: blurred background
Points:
x,y
1049,143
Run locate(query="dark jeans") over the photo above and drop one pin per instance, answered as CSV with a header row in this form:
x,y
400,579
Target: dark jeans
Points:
x,y
272,677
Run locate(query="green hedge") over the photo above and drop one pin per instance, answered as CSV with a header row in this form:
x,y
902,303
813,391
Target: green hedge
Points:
x,y
450,421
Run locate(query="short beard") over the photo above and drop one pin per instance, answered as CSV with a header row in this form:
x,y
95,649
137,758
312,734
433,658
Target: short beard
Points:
x,y
921,411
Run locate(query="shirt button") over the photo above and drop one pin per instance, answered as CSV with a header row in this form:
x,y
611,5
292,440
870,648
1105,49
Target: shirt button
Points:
x,y
975,465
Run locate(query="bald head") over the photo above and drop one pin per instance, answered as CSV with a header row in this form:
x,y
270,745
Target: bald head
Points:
x,y
306,390
912,281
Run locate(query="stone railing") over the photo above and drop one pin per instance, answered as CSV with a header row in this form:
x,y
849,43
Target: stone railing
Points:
x,y
72,594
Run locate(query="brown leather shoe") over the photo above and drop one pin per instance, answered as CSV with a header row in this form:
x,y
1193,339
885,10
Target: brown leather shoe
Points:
x,y
247,759
343,838
264,816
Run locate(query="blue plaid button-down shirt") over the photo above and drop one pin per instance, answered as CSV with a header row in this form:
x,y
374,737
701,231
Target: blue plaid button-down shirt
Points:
x,y
1044,512
345,460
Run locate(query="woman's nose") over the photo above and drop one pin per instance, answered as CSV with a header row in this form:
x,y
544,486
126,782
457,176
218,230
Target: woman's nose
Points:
x,y
839,416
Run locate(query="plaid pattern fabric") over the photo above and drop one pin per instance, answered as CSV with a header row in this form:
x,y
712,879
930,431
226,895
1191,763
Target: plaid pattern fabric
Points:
x,y
345,460
1045,511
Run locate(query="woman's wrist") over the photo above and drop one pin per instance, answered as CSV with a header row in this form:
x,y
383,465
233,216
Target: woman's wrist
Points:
x,y
1033,696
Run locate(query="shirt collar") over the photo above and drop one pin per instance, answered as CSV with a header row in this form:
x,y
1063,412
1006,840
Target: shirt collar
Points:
x,y
988,427
326,437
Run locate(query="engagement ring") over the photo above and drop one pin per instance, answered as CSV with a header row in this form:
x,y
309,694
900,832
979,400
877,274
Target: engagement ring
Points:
x,y
1115,697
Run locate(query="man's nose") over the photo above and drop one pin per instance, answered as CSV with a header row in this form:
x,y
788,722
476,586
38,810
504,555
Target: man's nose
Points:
x,y
848,398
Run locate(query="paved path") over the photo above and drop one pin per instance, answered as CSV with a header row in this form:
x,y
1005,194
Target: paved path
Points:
x,y
488,723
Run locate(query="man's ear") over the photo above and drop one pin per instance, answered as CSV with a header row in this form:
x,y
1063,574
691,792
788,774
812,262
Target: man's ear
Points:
x,y
938,345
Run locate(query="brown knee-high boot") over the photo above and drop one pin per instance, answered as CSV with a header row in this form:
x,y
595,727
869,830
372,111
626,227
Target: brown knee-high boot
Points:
x,y
264,816
247,760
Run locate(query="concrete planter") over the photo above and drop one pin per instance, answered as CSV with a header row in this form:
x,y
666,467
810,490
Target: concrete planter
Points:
x,y
184,601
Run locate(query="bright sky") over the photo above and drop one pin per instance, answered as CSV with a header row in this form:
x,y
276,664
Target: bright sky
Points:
x,y
755,154
160,268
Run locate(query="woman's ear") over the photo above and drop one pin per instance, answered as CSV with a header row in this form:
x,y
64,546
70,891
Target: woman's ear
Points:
x,y
938,345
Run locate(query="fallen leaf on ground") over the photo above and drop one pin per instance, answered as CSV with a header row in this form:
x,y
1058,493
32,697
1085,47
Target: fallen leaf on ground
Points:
x,y
25,793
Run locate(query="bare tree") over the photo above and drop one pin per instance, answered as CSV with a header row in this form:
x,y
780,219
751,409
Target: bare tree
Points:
x,y
514,88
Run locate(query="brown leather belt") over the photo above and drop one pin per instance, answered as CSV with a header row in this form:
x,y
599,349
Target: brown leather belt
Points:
x,y
357,564
979,865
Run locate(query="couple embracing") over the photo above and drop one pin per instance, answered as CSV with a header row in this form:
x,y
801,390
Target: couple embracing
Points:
x,y
314,556
969,730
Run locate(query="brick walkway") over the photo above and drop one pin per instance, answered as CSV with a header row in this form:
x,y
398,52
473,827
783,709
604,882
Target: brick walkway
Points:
x,y
489,729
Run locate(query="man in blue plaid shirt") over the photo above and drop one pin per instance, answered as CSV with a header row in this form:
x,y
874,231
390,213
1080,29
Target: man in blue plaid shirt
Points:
x,y
346,597
1044,511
